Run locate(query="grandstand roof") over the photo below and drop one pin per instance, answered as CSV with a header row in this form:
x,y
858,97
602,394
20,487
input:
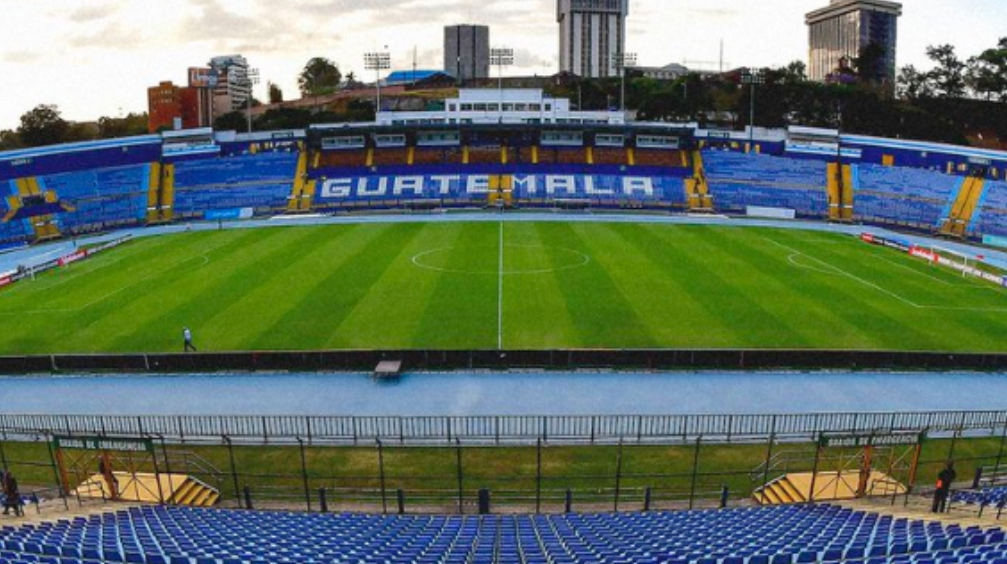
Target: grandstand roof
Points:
x,y
412,76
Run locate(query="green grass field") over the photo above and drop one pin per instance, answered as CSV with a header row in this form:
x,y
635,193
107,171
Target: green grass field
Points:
x,y
532,285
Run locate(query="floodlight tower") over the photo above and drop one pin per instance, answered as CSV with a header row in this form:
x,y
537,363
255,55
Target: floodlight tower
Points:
x,y
377,62
620,61
249,78
501,57
752,78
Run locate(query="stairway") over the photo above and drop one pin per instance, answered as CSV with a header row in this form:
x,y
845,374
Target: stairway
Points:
x,y
194,493
828,486
964,207
697,188
840,193
175,489
161,194
44,226
780,491
303,191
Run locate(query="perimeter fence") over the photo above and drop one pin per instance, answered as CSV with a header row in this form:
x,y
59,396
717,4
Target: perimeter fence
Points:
x,y
505,463
500,430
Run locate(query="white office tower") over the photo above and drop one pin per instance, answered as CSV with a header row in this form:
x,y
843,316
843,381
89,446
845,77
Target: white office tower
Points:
x,y
591,34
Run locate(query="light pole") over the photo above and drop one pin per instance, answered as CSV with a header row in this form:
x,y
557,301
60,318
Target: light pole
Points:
x,y
621,61
249,78
377,62
501,57
752,78
839,157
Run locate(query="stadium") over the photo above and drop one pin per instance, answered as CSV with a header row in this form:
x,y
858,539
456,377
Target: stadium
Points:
x,y
499,229
502,333
559,246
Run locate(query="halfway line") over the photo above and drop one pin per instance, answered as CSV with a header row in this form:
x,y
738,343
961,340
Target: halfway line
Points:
x,y
500,281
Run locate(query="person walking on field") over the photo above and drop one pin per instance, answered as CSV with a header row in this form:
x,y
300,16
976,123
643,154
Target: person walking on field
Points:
x,y
944,481
187,338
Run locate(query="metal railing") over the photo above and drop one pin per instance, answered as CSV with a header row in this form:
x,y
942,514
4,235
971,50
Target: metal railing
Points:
x,y
520,429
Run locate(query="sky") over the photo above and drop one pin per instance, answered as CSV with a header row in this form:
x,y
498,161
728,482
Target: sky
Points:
x,y
97,57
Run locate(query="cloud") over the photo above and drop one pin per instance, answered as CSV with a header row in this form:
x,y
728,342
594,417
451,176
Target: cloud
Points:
x,y
87,14
21,57
114,36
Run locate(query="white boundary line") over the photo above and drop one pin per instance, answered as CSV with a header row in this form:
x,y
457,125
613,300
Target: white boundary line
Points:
x,y
841,272
500,283
205,256
585,260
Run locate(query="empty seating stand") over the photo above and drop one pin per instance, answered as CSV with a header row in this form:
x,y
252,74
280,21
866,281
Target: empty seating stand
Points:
x,y
111,196
738,180
778,535
991,218
903,196
254,181
987,497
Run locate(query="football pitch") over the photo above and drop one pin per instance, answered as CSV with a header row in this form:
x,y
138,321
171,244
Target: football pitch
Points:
x,y
508,285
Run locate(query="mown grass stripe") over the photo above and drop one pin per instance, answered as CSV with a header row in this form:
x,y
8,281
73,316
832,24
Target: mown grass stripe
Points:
x,y
602,315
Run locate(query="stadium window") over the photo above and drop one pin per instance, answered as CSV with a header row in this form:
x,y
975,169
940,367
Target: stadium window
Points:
x,y
508,107
609,140
535,107
466,107
521,107
657,142
479,107
548,107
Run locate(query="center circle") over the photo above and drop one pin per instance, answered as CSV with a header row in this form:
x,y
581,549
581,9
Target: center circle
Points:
x,y
485,260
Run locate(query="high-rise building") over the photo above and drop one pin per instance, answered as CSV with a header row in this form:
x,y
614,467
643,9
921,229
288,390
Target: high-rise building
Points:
x,y
171,107
467,51
197,99
233,88
164,106
845,29
591,34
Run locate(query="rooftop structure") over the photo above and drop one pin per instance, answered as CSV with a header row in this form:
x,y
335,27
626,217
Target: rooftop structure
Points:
x,y
508,106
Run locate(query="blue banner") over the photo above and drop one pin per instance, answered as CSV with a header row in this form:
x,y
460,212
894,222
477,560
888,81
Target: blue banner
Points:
x,y
235,213
524,186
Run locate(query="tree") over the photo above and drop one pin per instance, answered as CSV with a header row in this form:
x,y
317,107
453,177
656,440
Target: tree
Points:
x,y
319,77
914,84
43,126
987,73
10,140
275,94
795,73
948,76
231,121
132,124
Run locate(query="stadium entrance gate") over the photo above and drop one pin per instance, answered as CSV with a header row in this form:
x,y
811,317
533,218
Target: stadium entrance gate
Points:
x,y
102,467
843,466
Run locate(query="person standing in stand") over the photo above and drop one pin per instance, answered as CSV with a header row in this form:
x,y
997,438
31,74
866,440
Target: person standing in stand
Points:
x,y
944,480
12,497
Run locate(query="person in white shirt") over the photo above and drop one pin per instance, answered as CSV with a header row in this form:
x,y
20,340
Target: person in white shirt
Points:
x,y
187,337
